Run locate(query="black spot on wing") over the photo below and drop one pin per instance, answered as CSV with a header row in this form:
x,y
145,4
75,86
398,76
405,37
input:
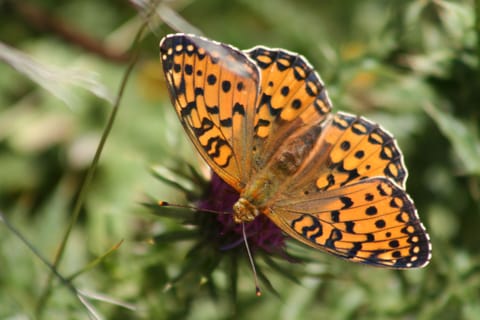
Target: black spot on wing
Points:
x,y
186,112
188,69
226,85
335,235
345,145
238,108
370,211
211,79
266,100
380,223
335,216
357,246
262,123
307,224
296,104
213,109
226,122
349,225
347,202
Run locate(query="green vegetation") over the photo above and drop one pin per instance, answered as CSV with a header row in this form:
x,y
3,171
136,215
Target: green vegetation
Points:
x,y
412,66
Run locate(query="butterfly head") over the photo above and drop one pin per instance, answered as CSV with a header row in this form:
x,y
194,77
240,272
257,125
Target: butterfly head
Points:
x,y
244,211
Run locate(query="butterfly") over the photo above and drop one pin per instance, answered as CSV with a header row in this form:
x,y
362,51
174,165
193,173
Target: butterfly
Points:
x,y
261,119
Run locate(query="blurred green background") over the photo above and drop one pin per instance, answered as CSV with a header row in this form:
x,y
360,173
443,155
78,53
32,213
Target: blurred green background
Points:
x,y
412,66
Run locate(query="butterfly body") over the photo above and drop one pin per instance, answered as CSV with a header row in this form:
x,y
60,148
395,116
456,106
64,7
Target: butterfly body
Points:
x,y
261,119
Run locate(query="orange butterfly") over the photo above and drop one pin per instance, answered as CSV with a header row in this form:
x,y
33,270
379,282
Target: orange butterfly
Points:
x,y
261,119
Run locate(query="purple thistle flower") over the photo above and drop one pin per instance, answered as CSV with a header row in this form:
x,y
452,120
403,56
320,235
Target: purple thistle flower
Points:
x,y
219,238
261,233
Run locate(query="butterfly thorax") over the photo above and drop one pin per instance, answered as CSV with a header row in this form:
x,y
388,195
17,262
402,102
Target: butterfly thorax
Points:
x,y
253,198
269,181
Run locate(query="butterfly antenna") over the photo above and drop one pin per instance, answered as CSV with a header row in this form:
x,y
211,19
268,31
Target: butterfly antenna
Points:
x,y
258,292
183,206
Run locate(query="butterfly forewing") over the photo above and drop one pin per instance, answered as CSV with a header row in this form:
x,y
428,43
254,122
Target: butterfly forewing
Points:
x,y
214,88
292,96
351,149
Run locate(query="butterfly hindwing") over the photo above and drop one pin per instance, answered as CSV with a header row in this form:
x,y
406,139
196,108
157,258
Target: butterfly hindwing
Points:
x,y
371,221
214,88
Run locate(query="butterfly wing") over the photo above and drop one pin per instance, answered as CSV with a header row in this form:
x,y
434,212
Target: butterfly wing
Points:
x,y
214,89
231,102
351,202
292,96
371,221
348,149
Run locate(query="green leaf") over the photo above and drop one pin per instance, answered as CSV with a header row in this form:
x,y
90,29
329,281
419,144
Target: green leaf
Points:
x,y
179,235
462,135
176,213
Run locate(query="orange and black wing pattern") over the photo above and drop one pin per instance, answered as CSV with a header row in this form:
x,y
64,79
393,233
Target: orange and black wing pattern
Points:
x,y
214,89
292,96
261,119
353,203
